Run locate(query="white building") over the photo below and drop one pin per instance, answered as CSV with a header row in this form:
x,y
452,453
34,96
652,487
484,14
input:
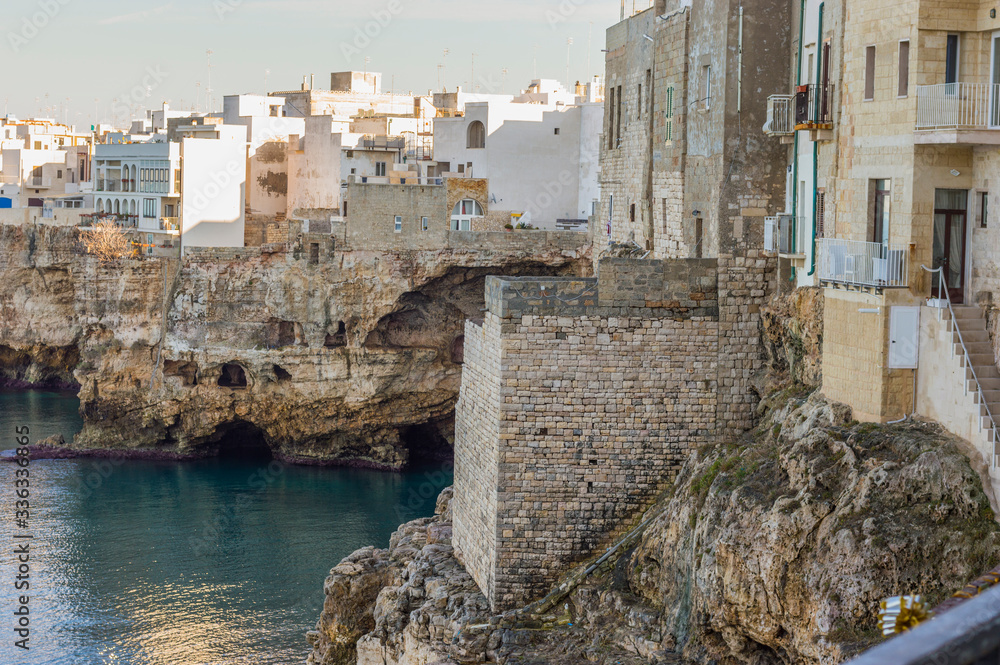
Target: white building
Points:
x,y
539,152
213,185
40,158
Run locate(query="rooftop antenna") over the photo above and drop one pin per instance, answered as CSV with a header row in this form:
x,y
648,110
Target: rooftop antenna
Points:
x,y
623,10
444,66
267,72
209,89
440,67
472,81
590,34
534,61
569,44
503,81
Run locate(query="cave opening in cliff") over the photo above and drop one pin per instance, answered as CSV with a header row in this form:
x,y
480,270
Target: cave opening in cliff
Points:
x,y
242,441
425,444
233,376
338,339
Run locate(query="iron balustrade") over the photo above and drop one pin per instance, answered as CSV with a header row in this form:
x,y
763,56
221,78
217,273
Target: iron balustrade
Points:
x,y
958,106
860,263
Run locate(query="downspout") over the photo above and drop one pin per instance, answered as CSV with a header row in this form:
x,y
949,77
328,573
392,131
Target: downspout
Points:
x,y
795,149
819,41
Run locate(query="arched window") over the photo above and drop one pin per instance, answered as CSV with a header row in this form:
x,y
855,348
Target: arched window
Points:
x,y
464,212
477,135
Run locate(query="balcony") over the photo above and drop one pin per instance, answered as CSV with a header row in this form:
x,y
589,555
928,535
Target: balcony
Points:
x,y
169,224
778,234
372,142
863,264
37,182
108,186
958,114
780,119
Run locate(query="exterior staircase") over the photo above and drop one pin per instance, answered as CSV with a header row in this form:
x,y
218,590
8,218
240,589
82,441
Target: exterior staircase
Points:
x,y
981,376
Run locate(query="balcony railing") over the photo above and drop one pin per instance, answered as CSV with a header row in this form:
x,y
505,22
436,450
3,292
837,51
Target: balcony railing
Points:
x,y
780,119
372,142
863,263
108,186
958,106
168,224
814,107
778,234
38,182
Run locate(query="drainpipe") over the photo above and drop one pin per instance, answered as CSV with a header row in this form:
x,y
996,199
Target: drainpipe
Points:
x,y
819,67
795,149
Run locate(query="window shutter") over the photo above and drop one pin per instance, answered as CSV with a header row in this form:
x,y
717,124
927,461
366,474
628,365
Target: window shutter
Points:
x,y
669,113
820,213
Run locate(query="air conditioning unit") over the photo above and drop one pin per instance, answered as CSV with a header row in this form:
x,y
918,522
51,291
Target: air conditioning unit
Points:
x,y
778,234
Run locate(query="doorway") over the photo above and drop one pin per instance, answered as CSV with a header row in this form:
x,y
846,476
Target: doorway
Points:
x,y
994,87
950,252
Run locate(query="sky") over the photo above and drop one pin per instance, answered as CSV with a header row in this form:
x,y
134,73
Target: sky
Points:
x,y
81,60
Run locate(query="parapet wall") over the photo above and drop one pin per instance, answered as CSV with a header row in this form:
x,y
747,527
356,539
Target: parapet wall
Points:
x,y
581,399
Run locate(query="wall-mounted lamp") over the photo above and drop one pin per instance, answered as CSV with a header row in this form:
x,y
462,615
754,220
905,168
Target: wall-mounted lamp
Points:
x,y
645,36
993,13
868,310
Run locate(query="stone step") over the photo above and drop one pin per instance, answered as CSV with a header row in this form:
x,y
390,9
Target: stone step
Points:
x,y
974,336
982,360
986,383
979,347
969,325
991,396
967,312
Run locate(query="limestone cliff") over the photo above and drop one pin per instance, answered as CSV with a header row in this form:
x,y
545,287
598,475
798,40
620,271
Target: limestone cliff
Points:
x,y
771,549
350,357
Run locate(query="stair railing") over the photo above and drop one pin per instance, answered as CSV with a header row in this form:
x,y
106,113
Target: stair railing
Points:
x,y
943,288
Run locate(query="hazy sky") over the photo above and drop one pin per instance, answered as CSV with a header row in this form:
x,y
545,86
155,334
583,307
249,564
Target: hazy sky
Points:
x,y
70,59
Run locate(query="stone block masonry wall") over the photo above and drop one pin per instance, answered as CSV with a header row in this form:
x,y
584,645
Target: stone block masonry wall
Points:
x,y
477,441
605,385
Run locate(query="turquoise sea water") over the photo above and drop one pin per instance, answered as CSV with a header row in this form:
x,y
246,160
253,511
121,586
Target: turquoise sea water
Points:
x,y
217,561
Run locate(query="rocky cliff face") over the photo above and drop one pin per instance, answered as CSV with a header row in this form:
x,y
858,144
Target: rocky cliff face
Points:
x,y
773,549
354,359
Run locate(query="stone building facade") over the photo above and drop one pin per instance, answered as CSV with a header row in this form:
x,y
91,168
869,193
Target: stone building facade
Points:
x,y
685,168
580,400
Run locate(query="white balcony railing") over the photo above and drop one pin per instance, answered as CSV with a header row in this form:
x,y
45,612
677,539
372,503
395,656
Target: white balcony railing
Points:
x,y
780,116
863,263
778,234
958,106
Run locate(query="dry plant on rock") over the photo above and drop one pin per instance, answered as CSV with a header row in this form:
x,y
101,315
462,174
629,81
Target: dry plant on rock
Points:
x,y
108,242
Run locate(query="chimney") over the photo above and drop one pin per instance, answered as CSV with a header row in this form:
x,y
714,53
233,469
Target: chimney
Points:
x,y
305,82
312,81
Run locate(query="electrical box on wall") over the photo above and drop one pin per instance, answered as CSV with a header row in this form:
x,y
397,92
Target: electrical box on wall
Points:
x,y
904,337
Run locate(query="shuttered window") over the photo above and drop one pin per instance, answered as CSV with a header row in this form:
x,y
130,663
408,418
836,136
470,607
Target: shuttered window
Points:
x,y
668,112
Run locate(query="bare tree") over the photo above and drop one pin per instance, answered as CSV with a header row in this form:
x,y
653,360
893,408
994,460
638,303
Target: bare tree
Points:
x,y
108,242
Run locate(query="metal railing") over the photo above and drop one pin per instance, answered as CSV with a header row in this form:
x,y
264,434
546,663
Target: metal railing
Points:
x,y
814,106
778,234
108,186
371,142
958,106
780,119
401,180
863,263
943,289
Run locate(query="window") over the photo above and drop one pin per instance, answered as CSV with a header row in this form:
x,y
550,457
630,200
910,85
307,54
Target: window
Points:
x,y
399,224
477,135
699,233
557,131
618,118
870,73
149,244
464,212
611,120
379,168
354,171
314,253
904,69
611,212
631,213
638,102
984,207
668,111
424,223
706,87
149,208
58,174
881,210
820,213
951,59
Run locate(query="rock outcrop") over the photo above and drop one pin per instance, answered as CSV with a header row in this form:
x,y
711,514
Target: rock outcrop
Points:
x,y
773,549
354,359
